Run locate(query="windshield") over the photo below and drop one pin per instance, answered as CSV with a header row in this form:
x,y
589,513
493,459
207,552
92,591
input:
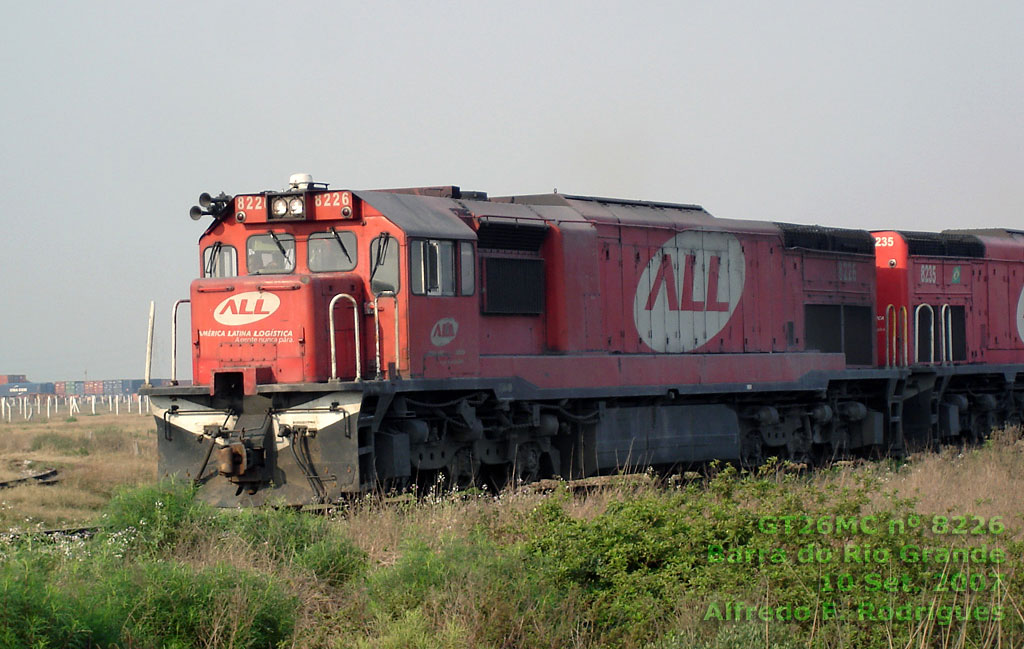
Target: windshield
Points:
x,y
270,253
332,251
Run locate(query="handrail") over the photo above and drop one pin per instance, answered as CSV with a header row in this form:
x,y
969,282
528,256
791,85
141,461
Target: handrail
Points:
x,y
174,340
149,343
917,333
892,338
906,334
946,332
376,328
334,345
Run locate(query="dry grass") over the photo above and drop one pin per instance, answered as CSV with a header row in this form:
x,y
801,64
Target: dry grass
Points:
x,y
985,481
94,454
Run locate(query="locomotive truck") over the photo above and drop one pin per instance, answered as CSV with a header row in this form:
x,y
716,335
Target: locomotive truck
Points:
x,y
345,341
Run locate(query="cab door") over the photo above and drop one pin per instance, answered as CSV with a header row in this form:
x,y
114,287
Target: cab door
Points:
x,y
443,322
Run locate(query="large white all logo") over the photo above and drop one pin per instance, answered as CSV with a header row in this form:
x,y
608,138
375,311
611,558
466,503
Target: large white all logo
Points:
x,y
689,290
246,308
1020,315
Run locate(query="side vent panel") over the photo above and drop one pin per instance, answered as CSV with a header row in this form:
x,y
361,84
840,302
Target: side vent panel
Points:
x,y
513,286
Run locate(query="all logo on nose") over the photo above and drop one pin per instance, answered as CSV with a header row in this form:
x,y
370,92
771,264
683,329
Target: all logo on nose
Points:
x,y
689,290
246,308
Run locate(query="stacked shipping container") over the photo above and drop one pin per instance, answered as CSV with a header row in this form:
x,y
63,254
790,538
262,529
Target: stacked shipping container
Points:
x,y
115,387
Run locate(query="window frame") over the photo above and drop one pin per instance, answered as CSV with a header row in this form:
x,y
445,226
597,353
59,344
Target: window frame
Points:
x,y
462,267
420,266
394,252
224,248
284,238
328,235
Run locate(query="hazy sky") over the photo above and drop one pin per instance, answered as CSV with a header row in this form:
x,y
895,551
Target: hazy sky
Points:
x,y
116,115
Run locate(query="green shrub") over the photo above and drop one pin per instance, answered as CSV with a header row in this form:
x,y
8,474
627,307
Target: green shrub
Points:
x,y
736,636
418,576
310,542
631,562
413,630
34,611
48,602
168,604
155,518
496,595
645,556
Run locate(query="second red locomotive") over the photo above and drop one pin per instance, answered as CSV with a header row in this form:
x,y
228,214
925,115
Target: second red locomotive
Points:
x,y
347,340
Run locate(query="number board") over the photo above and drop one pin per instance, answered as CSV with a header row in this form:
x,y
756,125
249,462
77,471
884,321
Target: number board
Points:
x,y
331,205
251,208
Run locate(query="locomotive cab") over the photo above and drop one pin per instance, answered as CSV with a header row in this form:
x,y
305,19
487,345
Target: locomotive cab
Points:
x,y
272,265
304,299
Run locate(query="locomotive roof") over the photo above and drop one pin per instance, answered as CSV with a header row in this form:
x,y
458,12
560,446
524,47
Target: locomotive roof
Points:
x,y
656,214
999,243
419,216
943,244
444,212
990,243
619,211
818,237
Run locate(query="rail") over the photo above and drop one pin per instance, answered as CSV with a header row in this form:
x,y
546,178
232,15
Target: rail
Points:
x,y
376,328
334,345
931,332
174,340
892,338
946,332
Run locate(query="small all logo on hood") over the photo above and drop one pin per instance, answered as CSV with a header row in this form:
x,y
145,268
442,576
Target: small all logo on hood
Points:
x,y
246,308
444,331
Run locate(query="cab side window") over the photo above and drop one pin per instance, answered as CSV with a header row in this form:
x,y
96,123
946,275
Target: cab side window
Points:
x,y
467,268
384,264
432,267
220,261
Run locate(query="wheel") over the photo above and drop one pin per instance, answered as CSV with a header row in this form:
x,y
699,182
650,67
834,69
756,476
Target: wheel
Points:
x,y
527,465
751,450
463,471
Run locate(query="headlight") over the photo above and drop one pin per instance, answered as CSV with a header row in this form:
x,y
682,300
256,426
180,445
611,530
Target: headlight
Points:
x,y
296,206
279,206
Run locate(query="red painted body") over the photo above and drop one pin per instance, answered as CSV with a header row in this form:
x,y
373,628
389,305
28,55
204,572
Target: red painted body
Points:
x,y
627,289
625,293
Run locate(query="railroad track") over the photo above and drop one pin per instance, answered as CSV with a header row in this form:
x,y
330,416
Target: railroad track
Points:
x,y
44,478
52,535
48,477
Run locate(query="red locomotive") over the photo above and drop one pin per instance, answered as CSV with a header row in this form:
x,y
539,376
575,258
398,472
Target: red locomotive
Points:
x,y
344,341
